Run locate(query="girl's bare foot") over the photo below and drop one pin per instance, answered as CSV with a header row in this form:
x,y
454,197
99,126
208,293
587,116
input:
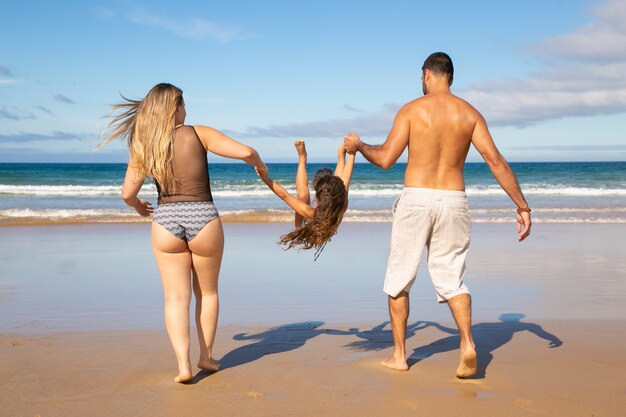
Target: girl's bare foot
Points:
x,y
299,144
209,365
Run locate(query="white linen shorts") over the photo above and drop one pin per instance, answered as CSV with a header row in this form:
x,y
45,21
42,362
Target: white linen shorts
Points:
x,y
439,221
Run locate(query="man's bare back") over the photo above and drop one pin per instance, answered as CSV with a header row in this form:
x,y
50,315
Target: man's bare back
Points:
x,y
440,133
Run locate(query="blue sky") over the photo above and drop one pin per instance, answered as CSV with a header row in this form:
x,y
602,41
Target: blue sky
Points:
x,y
547,75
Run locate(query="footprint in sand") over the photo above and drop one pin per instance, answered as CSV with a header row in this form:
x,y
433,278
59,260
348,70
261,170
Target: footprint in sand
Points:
x,y
254,394
527,405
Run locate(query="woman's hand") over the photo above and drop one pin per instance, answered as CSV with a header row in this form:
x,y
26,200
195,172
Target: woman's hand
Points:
x,y
261,171
143,207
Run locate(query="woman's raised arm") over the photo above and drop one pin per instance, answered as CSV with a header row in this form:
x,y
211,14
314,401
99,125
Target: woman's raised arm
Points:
x,y
222,145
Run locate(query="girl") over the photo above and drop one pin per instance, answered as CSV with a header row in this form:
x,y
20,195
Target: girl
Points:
x,y
315,225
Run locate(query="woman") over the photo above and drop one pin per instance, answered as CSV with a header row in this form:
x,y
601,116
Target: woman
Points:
x,y
187,234
315,225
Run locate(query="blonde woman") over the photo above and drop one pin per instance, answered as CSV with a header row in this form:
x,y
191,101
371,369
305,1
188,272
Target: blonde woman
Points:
x,y
187,234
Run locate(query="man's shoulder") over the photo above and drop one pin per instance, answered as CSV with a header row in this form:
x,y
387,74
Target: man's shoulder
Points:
x,y
465,103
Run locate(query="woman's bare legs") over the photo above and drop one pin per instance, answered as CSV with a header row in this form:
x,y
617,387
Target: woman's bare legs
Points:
x,y
174,262
206,253
302,181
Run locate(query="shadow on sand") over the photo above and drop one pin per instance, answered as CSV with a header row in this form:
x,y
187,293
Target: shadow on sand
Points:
x,y
275,340
487,336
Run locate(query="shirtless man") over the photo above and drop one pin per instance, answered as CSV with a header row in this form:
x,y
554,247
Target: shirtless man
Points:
x,y
432,210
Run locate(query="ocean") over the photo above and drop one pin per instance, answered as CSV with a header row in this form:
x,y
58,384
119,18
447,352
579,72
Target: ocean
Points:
x,y
557,192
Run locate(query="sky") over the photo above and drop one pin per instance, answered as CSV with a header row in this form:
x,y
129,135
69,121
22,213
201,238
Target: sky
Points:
x,y
548,75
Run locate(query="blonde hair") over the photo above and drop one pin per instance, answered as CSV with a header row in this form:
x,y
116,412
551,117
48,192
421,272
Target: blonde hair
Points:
x,y
148,126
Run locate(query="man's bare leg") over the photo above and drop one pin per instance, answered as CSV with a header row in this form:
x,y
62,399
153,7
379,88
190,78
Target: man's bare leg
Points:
x,y
399,313
302,181
461,308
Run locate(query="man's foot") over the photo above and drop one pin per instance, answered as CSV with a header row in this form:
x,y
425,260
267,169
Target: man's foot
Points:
x,y
395,364
299,144
209,365
467,364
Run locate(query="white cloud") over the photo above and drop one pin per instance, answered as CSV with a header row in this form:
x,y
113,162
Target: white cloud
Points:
x,y
5,71
370,124
583,76
194,28
45,110
63,99
603,39
37,137
15,114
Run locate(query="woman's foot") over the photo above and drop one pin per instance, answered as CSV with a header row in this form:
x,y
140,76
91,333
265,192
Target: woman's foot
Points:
x,y
209,365
299,144
184,374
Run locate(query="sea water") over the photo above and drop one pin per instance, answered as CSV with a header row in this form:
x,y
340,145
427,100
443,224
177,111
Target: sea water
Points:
x,y
557,192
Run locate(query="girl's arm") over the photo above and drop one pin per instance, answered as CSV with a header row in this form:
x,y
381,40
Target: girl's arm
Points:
x,y
344,166
132,184
341,160
220,144
346,175
298,206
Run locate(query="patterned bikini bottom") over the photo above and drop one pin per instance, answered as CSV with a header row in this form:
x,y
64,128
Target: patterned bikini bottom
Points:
x,y
185,219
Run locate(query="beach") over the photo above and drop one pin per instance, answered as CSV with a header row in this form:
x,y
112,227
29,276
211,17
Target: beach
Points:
x,y
81,328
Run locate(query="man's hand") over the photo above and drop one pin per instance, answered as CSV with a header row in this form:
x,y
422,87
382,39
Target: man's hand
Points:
x,y
352,142
523,225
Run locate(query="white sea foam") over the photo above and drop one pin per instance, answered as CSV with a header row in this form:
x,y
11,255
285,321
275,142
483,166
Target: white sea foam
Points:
x,y
71,190
546,215
261,191
550,190
63,213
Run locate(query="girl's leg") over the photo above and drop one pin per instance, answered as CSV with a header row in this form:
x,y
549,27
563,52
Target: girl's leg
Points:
x,y
207,249
302,181
174,262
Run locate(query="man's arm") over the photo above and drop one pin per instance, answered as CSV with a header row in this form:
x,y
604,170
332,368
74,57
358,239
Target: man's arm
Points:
x,y
385,155
483,142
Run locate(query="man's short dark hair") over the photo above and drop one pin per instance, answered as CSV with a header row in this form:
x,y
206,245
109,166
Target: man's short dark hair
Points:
x,y
441,64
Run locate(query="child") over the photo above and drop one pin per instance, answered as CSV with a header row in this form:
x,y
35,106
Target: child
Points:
x,y
315,225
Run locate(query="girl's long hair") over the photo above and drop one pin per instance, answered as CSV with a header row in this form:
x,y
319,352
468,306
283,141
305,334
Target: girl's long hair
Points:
x,y
148,126
331,197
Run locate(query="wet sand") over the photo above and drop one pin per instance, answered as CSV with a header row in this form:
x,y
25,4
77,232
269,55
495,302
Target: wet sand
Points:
x,y
81,328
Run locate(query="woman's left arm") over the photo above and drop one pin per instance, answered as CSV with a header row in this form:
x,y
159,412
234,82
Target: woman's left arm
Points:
x,y
132,184
222,145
